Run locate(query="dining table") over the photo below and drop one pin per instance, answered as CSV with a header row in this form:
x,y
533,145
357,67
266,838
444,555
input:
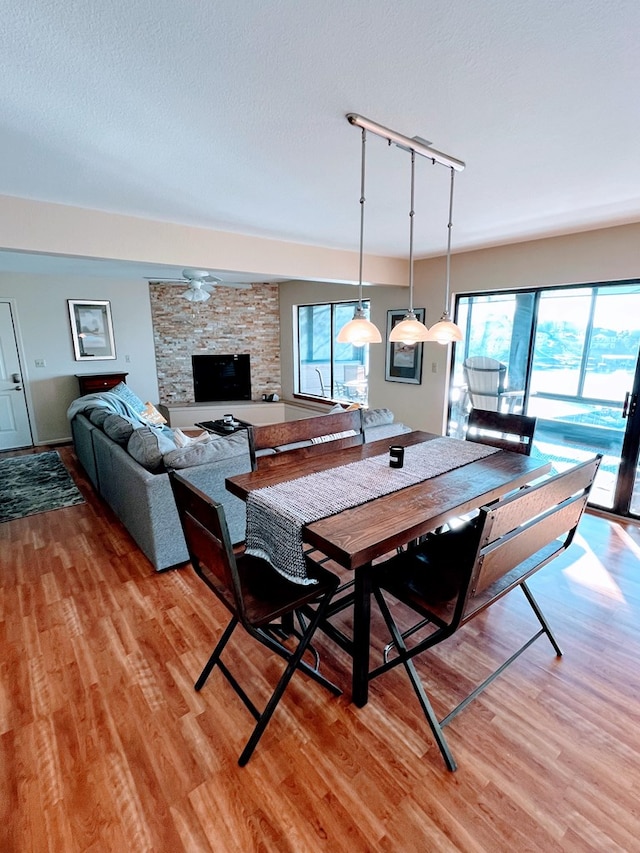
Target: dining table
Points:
x,y
355,536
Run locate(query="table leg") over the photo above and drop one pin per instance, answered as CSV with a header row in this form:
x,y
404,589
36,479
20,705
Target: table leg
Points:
x,y
361,635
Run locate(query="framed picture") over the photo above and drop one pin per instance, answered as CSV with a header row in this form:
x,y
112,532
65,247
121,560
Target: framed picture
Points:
x,y
403,361
91,330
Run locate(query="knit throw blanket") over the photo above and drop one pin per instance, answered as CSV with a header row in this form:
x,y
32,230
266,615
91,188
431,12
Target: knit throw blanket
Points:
x,y
277,514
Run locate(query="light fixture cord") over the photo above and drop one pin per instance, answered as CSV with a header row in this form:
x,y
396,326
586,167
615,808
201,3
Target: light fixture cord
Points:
x,y
411,215
362,200
449,227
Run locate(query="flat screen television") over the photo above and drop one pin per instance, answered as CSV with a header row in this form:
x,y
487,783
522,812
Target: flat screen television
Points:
x,y
221,377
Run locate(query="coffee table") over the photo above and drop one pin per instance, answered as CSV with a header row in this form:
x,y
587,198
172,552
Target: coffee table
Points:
x,y
219,427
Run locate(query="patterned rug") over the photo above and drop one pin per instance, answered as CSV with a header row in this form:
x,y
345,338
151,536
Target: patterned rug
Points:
x,y
35,483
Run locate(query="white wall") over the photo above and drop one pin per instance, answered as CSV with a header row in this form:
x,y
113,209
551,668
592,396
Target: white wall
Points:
x,y
42,227
43,319
411,404
609,254
602,255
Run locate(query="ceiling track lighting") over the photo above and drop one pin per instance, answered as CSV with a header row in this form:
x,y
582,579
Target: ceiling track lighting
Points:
x,y
410,330
360,330
445,331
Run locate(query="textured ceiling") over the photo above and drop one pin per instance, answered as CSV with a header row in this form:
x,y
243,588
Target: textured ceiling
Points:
x,y
229,114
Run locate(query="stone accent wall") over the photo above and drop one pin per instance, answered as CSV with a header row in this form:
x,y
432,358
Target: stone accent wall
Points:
x,y
232,321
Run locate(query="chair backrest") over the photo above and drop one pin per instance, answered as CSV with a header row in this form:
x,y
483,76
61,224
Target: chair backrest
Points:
x,y
500,429
208,542
522,533
485,378
320,431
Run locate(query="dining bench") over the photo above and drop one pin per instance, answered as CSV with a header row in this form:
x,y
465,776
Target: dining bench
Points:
x,y
452,577
324,433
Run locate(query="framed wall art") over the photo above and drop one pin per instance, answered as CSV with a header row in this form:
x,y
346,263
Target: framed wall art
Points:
x,y
403,361
91,330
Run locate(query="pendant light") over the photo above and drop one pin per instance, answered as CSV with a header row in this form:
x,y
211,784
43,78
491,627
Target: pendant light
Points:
x,y
410,330
360,330
445,331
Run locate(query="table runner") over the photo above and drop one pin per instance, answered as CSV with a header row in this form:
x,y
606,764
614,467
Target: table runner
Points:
x,y
277,514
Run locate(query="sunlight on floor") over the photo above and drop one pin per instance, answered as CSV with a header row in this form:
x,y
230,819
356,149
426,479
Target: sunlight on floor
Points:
x,y
588,572
627,540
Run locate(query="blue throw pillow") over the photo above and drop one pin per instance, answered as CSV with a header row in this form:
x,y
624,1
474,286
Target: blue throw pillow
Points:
x,y
125,393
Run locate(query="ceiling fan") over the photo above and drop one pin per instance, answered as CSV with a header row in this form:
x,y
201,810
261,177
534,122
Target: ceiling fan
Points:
x,y
201,284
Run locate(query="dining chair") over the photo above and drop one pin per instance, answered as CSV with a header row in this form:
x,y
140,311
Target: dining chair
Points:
x,y
501,429
258,598
452,577
485,385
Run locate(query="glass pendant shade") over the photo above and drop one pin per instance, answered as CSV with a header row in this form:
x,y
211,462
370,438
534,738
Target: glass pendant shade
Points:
x,y
410,330
359,331
445,330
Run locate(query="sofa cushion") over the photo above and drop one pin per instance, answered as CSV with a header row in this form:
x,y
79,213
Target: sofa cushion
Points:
x,y
118,428
148,446
98,414
376,417
215,449
125,393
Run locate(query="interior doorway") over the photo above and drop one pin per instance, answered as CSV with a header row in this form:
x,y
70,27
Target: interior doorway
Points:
x,y
15,429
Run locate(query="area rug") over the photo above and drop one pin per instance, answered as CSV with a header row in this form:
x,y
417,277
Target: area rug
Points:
x,y
35,483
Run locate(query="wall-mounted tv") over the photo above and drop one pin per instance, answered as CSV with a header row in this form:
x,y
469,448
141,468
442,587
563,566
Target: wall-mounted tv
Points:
x,y
221,377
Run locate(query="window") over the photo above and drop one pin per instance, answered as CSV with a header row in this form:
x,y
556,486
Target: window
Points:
x,y
567,356
327,369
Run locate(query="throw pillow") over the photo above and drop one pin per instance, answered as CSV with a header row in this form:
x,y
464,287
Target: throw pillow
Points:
x,y
332,436
125,393
201,452
376,417
118,428
151,415
148,446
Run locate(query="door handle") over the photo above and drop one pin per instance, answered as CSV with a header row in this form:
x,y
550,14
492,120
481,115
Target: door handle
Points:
x,y
18,388
630,403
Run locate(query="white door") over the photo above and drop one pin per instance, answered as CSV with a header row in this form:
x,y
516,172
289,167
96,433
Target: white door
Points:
x,y
14,419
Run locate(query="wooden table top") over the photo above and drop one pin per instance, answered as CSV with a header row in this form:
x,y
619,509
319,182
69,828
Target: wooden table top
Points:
x,y
358,535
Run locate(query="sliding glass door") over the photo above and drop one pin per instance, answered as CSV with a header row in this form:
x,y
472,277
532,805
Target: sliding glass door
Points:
x,y
571,360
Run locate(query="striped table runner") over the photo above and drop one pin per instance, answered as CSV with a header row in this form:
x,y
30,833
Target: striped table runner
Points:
x,y
277,514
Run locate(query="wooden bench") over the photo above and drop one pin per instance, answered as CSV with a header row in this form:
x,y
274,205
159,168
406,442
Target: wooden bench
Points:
x,y
451,577
304,437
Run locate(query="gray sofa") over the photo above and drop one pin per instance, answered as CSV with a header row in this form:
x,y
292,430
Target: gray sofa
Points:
x,y
143,500
128,461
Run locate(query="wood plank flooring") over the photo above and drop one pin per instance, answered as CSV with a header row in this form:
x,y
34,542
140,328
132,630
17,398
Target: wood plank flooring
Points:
x,y
105,746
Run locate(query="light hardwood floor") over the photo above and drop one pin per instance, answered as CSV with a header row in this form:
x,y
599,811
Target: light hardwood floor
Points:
x,y
105,746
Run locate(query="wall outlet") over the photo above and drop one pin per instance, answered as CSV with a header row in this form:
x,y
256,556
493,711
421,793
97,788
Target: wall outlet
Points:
x,y
40,362
127,359
434,366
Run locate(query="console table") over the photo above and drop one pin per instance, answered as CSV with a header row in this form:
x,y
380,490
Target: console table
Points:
x,y
90,383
